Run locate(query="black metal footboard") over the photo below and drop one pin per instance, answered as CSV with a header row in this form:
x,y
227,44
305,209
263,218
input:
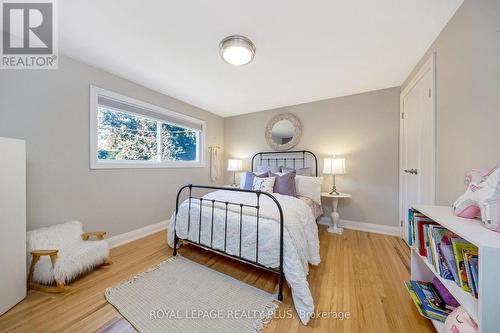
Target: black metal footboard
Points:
x,y
200,199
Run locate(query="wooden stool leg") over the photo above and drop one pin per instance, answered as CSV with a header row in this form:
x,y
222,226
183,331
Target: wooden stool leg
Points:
x,y
53,258
106,262
61,286
36,255
34,260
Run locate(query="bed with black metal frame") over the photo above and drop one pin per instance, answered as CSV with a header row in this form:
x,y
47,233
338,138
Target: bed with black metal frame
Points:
x,y
290,159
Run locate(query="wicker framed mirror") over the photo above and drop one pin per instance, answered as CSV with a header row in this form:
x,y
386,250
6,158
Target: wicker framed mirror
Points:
x,y
283,131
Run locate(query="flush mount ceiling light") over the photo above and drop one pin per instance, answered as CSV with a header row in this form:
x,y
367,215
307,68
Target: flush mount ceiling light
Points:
x,y
237,50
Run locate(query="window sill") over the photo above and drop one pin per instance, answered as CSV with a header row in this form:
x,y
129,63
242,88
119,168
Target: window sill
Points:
x,y
144,165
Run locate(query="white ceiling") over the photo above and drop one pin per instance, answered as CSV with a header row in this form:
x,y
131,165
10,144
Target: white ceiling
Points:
x,y
306,50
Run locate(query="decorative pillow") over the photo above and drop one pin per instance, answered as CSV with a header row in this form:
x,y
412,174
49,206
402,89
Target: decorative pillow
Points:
x,y
309,187
300,172
284,184
263,184
246,179
266,168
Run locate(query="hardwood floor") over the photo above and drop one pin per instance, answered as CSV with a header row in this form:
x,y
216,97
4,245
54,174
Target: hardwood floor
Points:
x,y
360,273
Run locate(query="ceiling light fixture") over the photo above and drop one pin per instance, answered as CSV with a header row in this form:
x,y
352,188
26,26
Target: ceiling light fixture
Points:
x,y
237,50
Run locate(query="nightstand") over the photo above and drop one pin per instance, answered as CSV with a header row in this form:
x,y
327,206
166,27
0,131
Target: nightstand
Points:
x,y
334,228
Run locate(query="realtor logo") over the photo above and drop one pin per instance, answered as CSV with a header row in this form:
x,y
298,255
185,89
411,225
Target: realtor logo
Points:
x,y
29,34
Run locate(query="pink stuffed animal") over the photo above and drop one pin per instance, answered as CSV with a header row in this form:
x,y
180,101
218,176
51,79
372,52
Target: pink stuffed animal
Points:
x,y
459,321
465,206
482,198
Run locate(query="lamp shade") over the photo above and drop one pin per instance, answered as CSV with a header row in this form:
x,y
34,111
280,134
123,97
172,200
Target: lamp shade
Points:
x,y
234,165
334,166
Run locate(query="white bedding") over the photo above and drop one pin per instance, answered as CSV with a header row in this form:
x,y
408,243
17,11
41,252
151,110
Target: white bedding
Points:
x,y
301,243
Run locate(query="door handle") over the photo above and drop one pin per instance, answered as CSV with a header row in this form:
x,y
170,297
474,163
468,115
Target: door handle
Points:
x,y
412,171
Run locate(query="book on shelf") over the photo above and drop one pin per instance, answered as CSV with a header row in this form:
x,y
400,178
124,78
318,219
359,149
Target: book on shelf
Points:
x,y
446,296
410,226
421,243
444,269
449,257
468,255
427,299
427,243
415,298
452,257
474,267
440,235
430,253
431,301
459,245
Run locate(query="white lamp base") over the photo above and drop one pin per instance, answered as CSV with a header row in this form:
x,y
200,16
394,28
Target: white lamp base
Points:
x,y
335,230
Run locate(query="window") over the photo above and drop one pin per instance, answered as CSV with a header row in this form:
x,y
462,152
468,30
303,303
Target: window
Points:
x,y
127,133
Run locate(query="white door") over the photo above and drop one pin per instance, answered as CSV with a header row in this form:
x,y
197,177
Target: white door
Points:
x,y
417,143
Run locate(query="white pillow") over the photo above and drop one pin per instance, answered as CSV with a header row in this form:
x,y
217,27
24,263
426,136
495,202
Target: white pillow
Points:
x,y
309,187
263,184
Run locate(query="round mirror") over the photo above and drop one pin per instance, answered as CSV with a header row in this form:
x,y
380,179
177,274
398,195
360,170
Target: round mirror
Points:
x,y
283,131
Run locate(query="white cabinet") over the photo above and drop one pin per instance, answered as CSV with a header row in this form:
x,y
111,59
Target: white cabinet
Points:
x,y
12,222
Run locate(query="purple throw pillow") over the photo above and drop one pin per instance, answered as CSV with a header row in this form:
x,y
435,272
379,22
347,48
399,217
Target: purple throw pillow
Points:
x,y
285,184
249,177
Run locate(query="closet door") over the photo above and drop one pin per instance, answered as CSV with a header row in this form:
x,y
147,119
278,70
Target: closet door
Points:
x,y
12,222
417,143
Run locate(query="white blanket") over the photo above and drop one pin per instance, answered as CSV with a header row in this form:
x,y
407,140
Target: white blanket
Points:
x,y
301,243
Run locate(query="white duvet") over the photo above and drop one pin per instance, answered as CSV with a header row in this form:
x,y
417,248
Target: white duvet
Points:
x,y
301,243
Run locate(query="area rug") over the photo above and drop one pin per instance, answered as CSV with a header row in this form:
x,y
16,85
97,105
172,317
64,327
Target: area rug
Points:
x,y
180,295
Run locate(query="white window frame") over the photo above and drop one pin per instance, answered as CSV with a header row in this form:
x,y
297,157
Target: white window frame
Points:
x,y
96,163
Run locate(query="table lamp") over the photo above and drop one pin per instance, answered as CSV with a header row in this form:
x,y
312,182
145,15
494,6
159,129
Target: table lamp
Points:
x,y
334,166
234,166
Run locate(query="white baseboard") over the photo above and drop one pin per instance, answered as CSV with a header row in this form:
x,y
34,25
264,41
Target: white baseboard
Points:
x,y
130,236
136,234
362,226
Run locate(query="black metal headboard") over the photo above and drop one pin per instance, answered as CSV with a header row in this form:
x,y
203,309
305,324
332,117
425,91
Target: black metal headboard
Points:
x,y
291,159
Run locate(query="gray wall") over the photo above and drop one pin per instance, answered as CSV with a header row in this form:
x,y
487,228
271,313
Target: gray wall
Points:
x,y
468,95
363,128
50,110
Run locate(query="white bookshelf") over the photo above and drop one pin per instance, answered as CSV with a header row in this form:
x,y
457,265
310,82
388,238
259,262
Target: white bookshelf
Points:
x,y
484,309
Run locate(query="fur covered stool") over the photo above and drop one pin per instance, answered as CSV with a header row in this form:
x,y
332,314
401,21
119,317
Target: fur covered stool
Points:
x,y
60,253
